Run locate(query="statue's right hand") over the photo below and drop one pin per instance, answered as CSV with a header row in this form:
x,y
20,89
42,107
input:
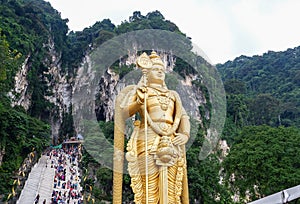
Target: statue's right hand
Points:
x,y
140,92
142,89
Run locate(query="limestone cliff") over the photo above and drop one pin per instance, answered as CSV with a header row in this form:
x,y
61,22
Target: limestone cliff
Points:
x,y
59,88
18,94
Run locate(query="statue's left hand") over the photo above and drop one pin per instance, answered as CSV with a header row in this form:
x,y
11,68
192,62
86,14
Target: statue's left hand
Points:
x,y
180,139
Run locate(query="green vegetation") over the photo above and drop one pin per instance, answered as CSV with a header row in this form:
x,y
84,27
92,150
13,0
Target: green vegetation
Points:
x,y
9,62
153,20
262,124
24,29
121,68
19,134
271,86
79,43
263,160
28,26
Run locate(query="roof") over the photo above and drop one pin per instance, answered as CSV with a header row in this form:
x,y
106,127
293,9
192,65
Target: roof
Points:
x,y
73,142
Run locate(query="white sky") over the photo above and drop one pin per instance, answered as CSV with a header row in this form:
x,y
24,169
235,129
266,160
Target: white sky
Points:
x,y
223,29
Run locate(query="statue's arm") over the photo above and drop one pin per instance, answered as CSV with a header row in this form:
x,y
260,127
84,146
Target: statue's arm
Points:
x,y
184,125
182,133
184,122
133,106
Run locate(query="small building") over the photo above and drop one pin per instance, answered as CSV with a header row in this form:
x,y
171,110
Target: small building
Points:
x,y
71,143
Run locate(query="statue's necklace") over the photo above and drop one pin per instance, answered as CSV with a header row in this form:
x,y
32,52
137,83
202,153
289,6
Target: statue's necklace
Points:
x,y
163,99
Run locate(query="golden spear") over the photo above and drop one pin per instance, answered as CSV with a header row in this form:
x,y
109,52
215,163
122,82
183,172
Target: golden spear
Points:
x,y
144,63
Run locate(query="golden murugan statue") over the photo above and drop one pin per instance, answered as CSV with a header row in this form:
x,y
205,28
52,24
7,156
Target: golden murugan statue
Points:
x,y
156,150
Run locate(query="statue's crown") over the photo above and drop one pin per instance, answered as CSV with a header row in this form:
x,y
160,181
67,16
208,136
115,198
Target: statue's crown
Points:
x,y
147,62
156,60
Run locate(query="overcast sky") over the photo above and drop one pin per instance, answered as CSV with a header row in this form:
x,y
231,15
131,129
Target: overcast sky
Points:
x,y
223,29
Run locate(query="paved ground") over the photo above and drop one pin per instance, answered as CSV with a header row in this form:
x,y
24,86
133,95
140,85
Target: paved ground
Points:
x,y
40,181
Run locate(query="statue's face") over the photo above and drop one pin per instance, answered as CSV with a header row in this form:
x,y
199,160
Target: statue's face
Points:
x,y
156,75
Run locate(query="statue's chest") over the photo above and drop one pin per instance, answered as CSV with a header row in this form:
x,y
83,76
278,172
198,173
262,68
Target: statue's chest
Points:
x,y
163,100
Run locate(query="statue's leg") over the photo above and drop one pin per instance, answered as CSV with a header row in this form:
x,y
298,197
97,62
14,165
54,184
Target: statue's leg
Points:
x,y
153,179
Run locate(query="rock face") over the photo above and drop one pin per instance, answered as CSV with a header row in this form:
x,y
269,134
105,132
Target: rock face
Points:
x,y
83,93
58,85
91,95
19,94
60,89
106,96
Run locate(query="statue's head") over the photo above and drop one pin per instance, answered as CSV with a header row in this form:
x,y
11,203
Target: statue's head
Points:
x,y
154,66
156,73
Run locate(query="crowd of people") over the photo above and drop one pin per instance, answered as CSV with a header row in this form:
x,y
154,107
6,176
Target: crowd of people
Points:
x,y
66,181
